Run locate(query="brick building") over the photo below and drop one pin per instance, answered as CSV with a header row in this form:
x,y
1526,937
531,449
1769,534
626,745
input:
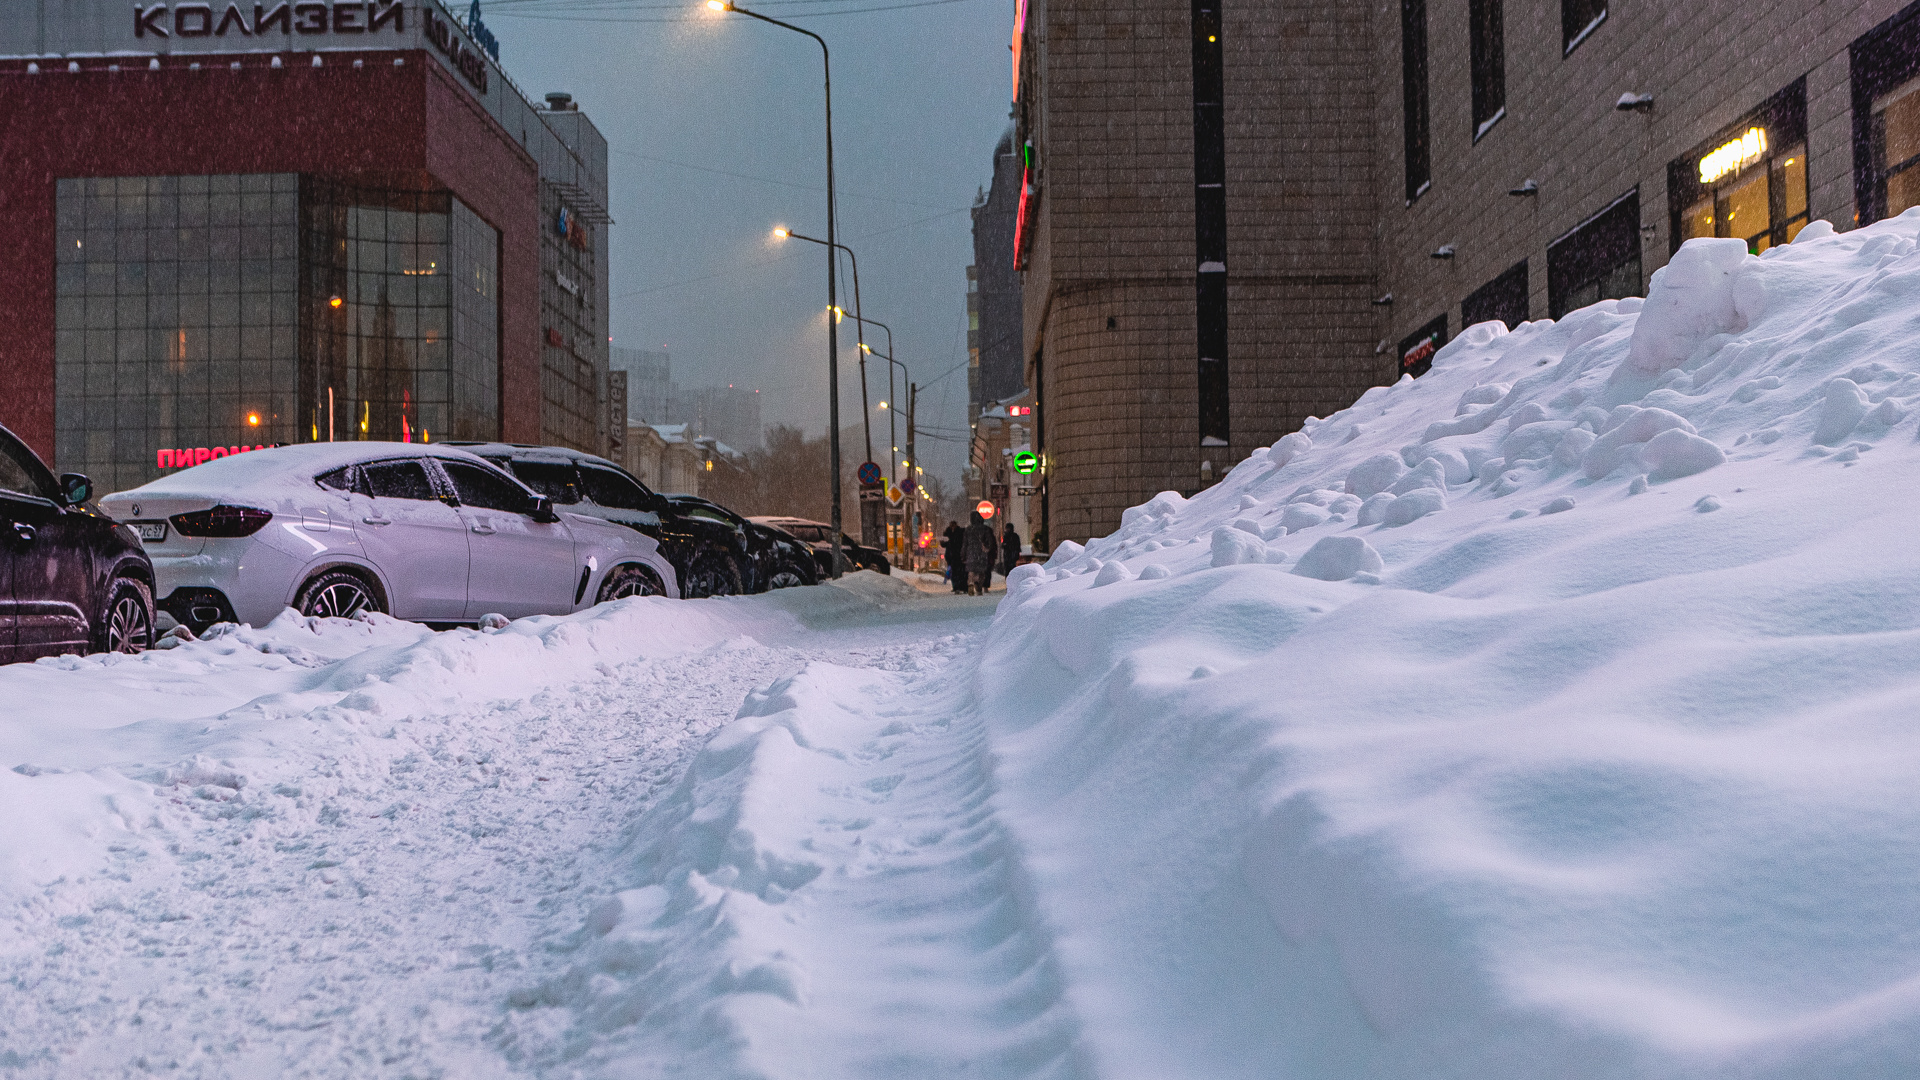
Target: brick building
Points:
x,y
1241,213
237,225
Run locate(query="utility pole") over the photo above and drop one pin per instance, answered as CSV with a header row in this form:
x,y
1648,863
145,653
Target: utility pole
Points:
x,y
913,474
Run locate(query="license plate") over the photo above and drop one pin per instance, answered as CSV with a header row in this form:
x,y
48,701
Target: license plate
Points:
x,y
151,532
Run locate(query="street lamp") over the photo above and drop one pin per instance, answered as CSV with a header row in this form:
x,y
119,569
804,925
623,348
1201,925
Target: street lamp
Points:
x,y
783,233
833,294
888,357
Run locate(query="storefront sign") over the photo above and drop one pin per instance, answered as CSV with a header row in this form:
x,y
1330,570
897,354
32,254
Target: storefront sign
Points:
x,y
199,455
1734,156
288,17
466,60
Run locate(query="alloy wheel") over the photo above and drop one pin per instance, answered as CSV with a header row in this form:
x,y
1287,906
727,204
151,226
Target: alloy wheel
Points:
x,y
339,600
129,625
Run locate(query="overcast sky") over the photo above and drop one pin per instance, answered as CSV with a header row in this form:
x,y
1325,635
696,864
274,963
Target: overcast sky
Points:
x,y
715,132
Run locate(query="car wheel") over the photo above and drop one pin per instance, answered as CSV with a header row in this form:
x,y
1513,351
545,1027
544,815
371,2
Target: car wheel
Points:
x,y
785,578
712,574
630,580
128,625
336,594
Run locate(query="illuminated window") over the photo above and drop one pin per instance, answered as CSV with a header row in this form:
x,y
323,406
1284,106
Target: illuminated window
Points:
x,y
1885,67
1896,148
1749,181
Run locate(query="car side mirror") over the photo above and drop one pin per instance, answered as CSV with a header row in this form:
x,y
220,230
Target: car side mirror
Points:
x,y
75,488
541,510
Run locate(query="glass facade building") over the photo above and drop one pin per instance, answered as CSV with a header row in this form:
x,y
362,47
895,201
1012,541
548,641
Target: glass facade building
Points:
x,y
246,310
176,314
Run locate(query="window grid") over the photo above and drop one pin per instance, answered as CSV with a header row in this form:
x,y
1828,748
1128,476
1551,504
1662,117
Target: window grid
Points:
x,y
176,318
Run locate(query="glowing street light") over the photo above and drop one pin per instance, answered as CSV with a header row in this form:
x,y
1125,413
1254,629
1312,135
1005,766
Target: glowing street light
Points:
x,y
833,326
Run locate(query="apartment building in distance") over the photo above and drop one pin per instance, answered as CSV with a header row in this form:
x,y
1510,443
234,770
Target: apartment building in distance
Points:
x,y
1237,214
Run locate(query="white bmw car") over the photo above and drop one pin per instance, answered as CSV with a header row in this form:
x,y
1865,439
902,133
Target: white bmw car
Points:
x,y
421,532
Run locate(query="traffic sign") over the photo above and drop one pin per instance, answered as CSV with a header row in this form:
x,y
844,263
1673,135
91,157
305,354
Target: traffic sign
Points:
x,y
985,509
894,495
908,485
869,474
1025,462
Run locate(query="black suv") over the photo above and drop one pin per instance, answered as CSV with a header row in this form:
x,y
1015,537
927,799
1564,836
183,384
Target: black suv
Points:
x,y
776,559
710,558
71,580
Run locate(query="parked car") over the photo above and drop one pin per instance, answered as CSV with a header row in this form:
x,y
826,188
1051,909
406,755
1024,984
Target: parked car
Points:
x,y
776,559
820,536
71,581
710,557
422,532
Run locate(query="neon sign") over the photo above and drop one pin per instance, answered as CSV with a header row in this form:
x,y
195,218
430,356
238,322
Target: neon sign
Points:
x,y
1734,156
199,455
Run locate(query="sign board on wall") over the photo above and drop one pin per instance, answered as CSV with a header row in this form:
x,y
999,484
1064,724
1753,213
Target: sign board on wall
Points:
x,y
163,28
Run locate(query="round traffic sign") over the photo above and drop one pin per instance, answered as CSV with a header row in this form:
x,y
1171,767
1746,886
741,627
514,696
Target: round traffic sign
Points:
x,y
985,509
869,474
1025,462
907,484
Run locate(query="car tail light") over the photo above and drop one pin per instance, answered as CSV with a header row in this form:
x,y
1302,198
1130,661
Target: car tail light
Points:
x,y
222,521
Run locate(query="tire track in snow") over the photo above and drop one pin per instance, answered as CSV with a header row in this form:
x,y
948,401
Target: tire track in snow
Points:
x,y
827,893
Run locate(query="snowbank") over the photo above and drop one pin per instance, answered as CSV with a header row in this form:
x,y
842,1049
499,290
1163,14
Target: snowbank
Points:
x,y
1551,714
97,751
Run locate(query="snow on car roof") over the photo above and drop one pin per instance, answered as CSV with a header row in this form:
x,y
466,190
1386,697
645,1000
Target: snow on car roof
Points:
x,y
281,464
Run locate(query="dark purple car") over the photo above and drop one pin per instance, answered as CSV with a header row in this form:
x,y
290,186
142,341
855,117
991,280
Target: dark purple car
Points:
x,y
71,579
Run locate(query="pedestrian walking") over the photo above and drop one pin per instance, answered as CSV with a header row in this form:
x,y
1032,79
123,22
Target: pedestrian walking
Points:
x,y
956,552
1009,550
981,549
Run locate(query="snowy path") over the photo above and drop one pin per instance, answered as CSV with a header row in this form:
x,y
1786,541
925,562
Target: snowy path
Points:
x,y
379,921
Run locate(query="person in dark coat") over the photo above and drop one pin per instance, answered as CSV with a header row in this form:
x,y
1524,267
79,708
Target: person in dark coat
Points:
x,y
1009,550
956,553
981,550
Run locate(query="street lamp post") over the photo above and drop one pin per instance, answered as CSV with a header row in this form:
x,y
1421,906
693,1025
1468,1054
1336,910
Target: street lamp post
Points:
x,y
784,233
833,293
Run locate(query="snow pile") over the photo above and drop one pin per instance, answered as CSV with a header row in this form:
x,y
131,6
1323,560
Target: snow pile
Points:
x,y
100,751
1551,715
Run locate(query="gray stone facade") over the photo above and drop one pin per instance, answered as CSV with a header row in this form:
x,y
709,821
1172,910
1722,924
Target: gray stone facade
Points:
x,y
1319,225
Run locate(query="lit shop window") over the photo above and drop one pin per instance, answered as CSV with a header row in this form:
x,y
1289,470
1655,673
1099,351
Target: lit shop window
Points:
x,y
1896,148
1749,181
1750,190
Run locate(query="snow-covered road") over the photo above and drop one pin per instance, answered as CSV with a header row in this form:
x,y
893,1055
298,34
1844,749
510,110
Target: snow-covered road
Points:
x,y
387,893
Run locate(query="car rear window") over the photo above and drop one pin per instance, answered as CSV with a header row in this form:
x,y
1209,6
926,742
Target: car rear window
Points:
x,y
340,479
398,480
612,489
554,479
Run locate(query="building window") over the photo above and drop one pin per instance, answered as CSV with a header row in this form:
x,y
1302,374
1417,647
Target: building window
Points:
x,y
1886,117
1210,221
1599,259
176,313
1413,90
1749,181
401,335
1578,19
1417,348
1504,299
1489,61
